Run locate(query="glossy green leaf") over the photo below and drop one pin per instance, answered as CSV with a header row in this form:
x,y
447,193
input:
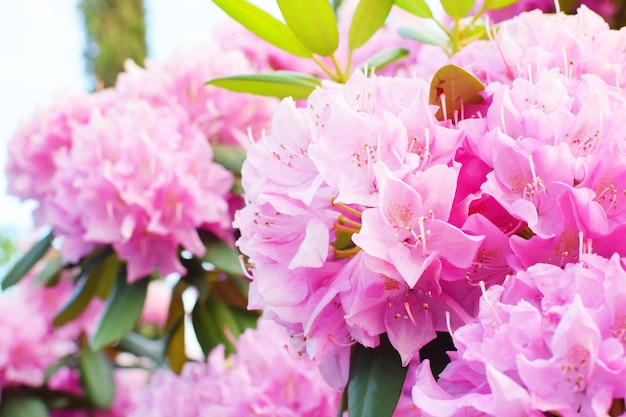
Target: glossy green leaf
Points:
x,y
175,329
457,9
206,329
459,87
417,7
383,58
376,379
139,345
176,356
264,25
223,257
50,271
214,322
497,4
422,35
65,361
369,16
313,22
96,376
23,407
278,84
27,261
89,284
229,156
122,310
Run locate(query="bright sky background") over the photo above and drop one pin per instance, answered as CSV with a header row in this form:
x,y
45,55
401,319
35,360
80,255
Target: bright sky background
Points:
x,y
41,47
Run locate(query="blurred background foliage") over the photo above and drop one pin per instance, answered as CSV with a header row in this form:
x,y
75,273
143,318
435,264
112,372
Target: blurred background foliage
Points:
x,y
115,31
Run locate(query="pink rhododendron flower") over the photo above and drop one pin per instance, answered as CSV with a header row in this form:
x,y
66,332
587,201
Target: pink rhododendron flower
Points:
x,y
263,378
222,116
551,134
35,145
28,350
132,166
139,178
348,220
548,340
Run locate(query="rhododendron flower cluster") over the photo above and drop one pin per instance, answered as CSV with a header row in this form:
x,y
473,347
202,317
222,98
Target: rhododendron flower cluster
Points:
x,y
550,140
547,340
30,347
262,378
351,224
368,215
132,166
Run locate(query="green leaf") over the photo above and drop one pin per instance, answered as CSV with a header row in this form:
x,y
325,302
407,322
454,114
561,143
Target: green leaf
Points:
x,y
207,332
369,16
27,261
96,376
91,281
383,58
278,84
459,87
139,345
212,320
122,310
229,156
264,25
417,7
376,379
497,4
314,24
176,356
422,35
65,361
223,257
457,9
23,407
175,329
50,270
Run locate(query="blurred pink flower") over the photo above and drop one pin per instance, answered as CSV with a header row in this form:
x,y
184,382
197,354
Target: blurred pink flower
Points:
x,y
262,378
29,347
